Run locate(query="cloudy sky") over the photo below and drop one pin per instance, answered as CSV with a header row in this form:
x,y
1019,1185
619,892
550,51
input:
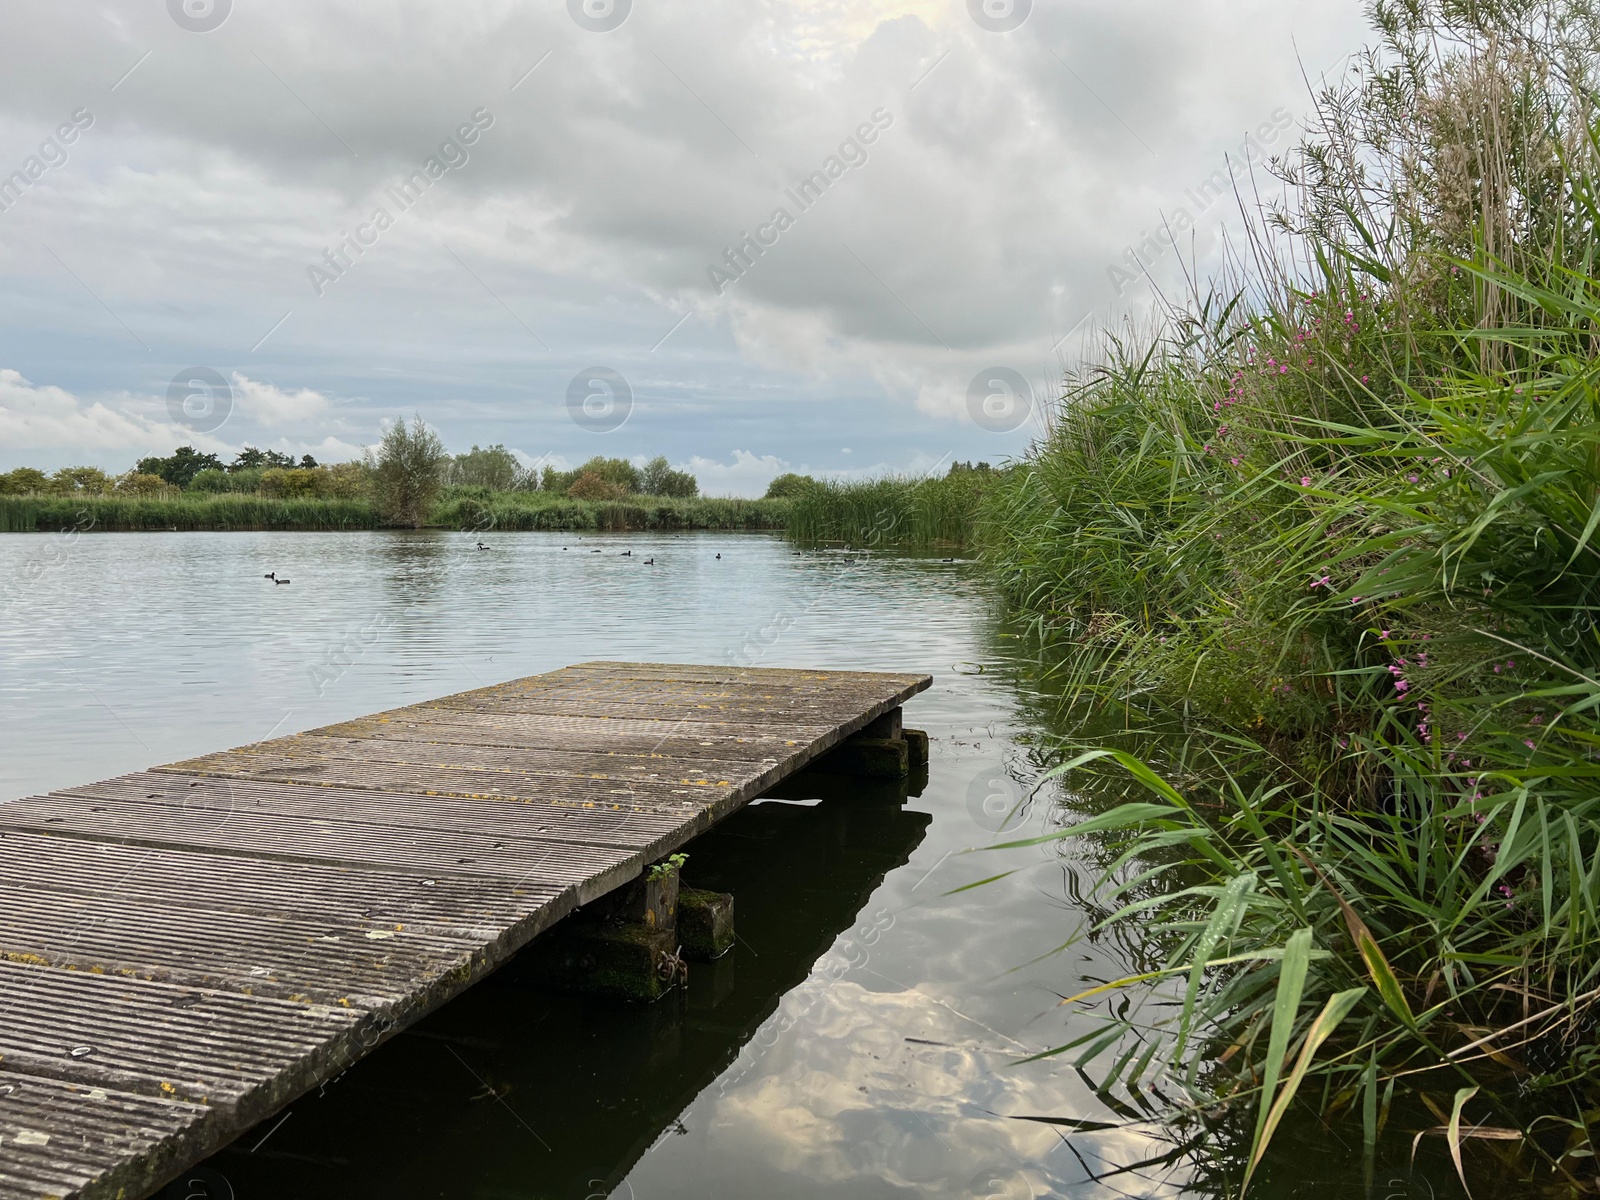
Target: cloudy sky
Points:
x,y
212,189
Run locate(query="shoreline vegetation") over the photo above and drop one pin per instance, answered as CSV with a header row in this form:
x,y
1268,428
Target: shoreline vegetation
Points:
x,y
1315,571
409,482
480,513
484,491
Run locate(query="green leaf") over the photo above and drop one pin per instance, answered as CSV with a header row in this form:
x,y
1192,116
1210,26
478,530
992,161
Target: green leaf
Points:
x,y
1333,1012
1118,818
1223,923
1285,1007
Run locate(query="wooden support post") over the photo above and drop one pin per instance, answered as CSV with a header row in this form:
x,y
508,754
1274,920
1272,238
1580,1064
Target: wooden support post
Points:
x,y
705,924
887,726
624,946
883,749
869,758
917,748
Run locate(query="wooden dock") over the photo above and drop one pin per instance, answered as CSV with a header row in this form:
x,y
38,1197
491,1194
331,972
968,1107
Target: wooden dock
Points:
x,y
183,951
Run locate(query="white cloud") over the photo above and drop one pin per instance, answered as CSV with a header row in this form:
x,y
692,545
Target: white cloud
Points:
x,y
852,1090
747,475
42,425
268,405
51,419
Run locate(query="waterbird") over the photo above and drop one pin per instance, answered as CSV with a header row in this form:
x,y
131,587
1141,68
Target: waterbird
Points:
x,y
947,560
481,546
719,556
270,575
649,562
627,554
275,579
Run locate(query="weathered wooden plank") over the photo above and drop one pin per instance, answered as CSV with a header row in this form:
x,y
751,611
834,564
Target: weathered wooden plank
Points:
x,y
632,824
256,834
261,887
63,1139
185,949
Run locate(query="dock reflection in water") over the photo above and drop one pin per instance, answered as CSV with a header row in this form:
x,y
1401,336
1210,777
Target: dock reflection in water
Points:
x,y
511,1091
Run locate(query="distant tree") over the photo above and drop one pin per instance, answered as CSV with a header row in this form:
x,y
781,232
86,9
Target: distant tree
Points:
x,y
136,484
407,471
81,481
307,463
590,485
22,481
180,468
618,471
659,479
786,486
346,480
292,483
249,459
654,475
493,467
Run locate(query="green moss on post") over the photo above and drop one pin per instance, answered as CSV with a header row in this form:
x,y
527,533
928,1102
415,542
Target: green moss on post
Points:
x,y
705,924
916,748
869,758
605,958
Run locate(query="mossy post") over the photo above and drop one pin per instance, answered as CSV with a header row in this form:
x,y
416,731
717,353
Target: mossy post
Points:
x,y
623,946
883,749
705,924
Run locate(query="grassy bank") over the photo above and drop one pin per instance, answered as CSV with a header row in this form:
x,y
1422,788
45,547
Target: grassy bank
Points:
x,y
1323,556
481,512
936,511
547,510
113,513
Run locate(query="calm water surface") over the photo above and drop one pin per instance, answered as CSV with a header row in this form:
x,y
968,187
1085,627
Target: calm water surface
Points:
x,y
864,1038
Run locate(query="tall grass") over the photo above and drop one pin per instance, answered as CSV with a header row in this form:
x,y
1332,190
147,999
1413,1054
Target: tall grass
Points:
x,y
112,513
892,510
1326,552
548,510
480,512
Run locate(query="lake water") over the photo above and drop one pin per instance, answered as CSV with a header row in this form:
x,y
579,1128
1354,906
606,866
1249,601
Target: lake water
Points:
x,y
864,1038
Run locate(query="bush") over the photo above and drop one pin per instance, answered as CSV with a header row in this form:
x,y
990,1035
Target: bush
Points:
x,y
617,471
81,480
591,486
494,468
787,486
659,479
136,484
180,467
344,481
294,483
407,471
22,481
214,480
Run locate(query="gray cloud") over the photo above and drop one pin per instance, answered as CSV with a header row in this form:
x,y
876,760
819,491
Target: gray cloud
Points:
x,y
977,231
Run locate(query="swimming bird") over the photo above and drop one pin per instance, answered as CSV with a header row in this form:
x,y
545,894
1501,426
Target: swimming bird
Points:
x,y
270,575
719,557
275,579
649,562
627,554
481,546
947,560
